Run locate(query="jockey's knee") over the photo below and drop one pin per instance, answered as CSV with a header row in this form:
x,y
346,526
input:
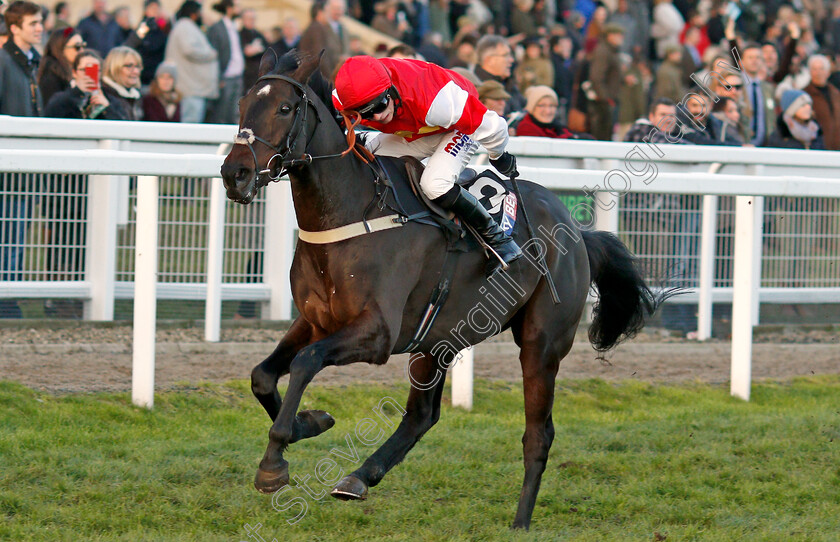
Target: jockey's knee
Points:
x,y
435,187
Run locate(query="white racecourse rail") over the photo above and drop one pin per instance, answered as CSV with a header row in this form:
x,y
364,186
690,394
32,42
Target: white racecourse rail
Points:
x,y
604,171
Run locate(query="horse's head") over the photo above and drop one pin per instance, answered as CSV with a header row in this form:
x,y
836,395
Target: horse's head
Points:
x,y
273,125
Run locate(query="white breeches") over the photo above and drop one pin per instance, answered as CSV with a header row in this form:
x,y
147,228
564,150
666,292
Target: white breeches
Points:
x,y
448,154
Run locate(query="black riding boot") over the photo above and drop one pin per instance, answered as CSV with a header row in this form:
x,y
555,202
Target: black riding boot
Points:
x,y
468,209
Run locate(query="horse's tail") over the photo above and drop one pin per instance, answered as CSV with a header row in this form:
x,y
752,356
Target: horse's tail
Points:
x,y
624,299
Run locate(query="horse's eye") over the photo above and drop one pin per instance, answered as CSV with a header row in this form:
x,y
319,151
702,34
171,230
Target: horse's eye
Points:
x,y
285,109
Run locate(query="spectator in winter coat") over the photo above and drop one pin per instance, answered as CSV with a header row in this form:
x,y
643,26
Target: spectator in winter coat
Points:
x,y
196,61
19,62
84,99
149,39
254,45
494,96
535,68
725,121
667,25
495,60
669,76
224,38
121,82
605,75
795,126
163,102
56,69
658,127
19,96
539,119
825,99
99,30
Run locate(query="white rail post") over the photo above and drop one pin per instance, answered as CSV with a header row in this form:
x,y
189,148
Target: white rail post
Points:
x,y
215,261
279,249
462,379
758,244
145,293
101,253
707,267
742,299
606,204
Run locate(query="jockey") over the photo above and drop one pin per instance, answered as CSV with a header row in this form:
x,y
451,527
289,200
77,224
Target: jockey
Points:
x,y
426,111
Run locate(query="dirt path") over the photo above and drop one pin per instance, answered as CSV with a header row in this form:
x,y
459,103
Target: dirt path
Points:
x,y
84,367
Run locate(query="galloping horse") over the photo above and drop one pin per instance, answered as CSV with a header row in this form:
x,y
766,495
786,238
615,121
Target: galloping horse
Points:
x,y
361,298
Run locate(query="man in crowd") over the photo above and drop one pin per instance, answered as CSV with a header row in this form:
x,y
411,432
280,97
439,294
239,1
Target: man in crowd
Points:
x,y
826,101
254,45
759,104
659,125
195,60
19,96
321,35
99,30
290,37
495,61
605,75
224,38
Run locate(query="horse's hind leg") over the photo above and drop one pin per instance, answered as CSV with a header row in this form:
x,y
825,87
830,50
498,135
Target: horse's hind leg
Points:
x,y
264,377
540,362
422,412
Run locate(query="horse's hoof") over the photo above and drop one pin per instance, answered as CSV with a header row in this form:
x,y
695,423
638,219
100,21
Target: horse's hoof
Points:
x,y
311,423
350,488
269,481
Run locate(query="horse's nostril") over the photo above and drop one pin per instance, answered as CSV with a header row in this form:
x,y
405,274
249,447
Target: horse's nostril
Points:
x,y
242,173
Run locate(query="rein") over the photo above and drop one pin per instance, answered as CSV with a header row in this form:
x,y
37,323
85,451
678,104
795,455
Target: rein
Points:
x,y
248,137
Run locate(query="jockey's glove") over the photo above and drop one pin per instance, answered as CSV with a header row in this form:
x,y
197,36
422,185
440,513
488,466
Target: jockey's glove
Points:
x,y
506,165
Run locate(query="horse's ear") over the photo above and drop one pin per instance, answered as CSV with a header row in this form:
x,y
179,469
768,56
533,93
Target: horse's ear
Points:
x,y
307,65
268,61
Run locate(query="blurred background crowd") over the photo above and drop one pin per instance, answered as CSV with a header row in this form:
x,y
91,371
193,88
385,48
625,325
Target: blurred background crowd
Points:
x,y
706,72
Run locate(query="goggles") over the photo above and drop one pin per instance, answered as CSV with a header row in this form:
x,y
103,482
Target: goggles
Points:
x,y
374,107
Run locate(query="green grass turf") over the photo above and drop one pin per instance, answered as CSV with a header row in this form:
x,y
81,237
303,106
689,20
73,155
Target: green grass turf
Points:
x,y
631,461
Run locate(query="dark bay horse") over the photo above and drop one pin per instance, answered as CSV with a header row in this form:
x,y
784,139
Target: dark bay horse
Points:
x,y
361,299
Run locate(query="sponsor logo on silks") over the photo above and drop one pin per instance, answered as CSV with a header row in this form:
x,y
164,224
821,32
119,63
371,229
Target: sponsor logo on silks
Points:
x,y
509,214
459,141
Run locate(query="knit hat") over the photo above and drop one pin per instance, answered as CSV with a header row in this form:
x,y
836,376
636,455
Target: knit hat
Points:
x,y
793,99
493,90
536,93
167,67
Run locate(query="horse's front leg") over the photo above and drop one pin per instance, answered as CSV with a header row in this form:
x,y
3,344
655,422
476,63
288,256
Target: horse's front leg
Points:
x,y
367,338
264,377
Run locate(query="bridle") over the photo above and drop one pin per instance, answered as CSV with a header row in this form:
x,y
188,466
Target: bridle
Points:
x,y
284,154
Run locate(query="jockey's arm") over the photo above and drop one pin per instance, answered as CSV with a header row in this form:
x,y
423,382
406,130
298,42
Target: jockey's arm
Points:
x,y
453,107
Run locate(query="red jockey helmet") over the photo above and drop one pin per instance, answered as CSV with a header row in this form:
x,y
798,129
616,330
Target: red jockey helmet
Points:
x,y
360,80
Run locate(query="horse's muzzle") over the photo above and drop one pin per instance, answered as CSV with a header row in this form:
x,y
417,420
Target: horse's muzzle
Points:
x,y
240,182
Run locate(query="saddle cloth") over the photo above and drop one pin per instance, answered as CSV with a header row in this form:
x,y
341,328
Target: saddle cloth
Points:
x,y
494,193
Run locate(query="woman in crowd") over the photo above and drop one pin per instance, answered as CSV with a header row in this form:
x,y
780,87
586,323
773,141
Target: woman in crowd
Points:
x,y
539,119
725,119
56,69
163,102
84,98
795,127
121,81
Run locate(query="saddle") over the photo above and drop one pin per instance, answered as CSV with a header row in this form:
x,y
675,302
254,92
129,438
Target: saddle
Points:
x,y
403,174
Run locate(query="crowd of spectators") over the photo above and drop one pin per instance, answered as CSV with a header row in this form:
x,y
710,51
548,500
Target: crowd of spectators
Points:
x,y
607,62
